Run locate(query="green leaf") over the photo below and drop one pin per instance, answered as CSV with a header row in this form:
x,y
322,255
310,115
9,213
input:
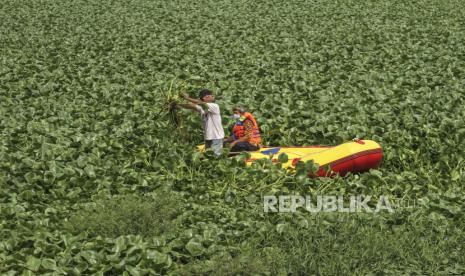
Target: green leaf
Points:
x,y
281,227
27,195
30,177
49,264
283,158
194,248
312,167
157,257
455,175
120,245
33,263
89,169
25,273
90,256
377,173
132,270
74,193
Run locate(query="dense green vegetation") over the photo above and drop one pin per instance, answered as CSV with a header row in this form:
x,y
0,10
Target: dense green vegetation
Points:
x,y
94,178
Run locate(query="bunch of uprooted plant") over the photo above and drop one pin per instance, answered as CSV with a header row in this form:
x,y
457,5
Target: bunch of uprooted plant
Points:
x,y
171,96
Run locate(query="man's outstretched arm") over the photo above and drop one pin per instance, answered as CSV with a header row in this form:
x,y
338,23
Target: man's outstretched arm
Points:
x,y
195,101
188,106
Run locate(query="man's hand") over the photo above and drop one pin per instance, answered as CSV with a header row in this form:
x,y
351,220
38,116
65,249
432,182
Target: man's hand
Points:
x,y
185,96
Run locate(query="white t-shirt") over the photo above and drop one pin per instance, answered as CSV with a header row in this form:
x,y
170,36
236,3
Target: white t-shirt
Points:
x,y
212,127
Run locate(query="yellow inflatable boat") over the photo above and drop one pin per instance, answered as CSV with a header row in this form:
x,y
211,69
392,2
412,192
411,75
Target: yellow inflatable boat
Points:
x,y
354,156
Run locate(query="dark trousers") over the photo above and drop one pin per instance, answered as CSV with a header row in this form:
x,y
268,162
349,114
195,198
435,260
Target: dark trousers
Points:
x,y
244,146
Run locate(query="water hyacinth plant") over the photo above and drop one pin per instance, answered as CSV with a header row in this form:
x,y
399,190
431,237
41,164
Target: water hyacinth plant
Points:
x,y
99,173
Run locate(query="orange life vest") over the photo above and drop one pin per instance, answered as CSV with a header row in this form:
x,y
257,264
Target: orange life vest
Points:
x,y
239,130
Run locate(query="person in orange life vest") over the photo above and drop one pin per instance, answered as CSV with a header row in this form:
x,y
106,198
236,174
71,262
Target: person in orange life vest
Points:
x,y
245,132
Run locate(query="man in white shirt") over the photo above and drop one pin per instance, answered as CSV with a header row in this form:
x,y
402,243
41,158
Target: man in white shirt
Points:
x,y
211,116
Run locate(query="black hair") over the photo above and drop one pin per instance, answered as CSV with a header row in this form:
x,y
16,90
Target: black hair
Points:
x,y
204,92
239,108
